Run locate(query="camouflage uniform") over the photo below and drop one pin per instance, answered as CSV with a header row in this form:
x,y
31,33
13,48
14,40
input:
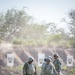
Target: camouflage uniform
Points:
x,y
29,69
57,64
42,67
48,69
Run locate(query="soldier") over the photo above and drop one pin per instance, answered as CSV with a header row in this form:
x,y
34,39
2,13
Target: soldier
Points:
x,y
54,72
48,68
42,67
29,68
44,61
57,64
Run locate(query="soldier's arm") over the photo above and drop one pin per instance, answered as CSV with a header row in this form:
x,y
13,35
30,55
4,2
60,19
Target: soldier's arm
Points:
x,y
54,70
25,69
35,70
59,66
42,69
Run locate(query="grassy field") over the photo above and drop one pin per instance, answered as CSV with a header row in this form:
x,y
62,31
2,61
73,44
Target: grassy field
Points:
x,y
18,70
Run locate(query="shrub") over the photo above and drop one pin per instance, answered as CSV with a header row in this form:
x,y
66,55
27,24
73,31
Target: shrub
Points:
x,y
72,42
0,41
17,42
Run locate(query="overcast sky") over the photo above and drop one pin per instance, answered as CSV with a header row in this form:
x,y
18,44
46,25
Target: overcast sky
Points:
x,y
47,10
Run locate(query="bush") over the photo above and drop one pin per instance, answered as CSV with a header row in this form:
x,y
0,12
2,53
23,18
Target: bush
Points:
x,y
0,41
64,44
17,42
72,70
72,42
31,42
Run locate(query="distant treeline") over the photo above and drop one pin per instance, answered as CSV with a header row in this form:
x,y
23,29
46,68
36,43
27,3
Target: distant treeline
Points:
x,y
19,28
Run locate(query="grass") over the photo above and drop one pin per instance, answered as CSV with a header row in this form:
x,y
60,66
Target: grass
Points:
x,y
19,70
42,42
68,70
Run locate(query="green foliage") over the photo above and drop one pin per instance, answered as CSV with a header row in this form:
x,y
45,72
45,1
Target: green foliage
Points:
x,y
32,42
55,38
34,31
29,43
72,42
43,42
58,40
19,27
11,22
71,24
64,68
17,42
18,24
0,41
72,70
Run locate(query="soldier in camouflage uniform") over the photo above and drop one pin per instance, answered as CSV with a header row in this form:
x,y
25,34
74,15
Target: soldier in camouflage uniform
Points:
x,y
57,64
42,67
48,68
55,72
29,68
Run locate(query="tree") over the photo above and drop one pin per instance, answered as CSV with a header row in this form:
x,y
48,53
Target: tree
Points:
x,y
18,24
34,31
71,24
53,30
11,22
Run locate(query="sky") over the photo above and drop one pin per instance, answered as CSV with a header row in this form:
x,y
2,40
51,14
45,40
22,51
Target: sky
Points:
x,y
41,10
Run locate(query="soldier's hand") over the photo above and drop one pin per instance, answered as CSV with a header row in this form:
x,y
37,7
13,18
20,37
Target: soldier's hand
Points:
x,y
58,73
35,73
